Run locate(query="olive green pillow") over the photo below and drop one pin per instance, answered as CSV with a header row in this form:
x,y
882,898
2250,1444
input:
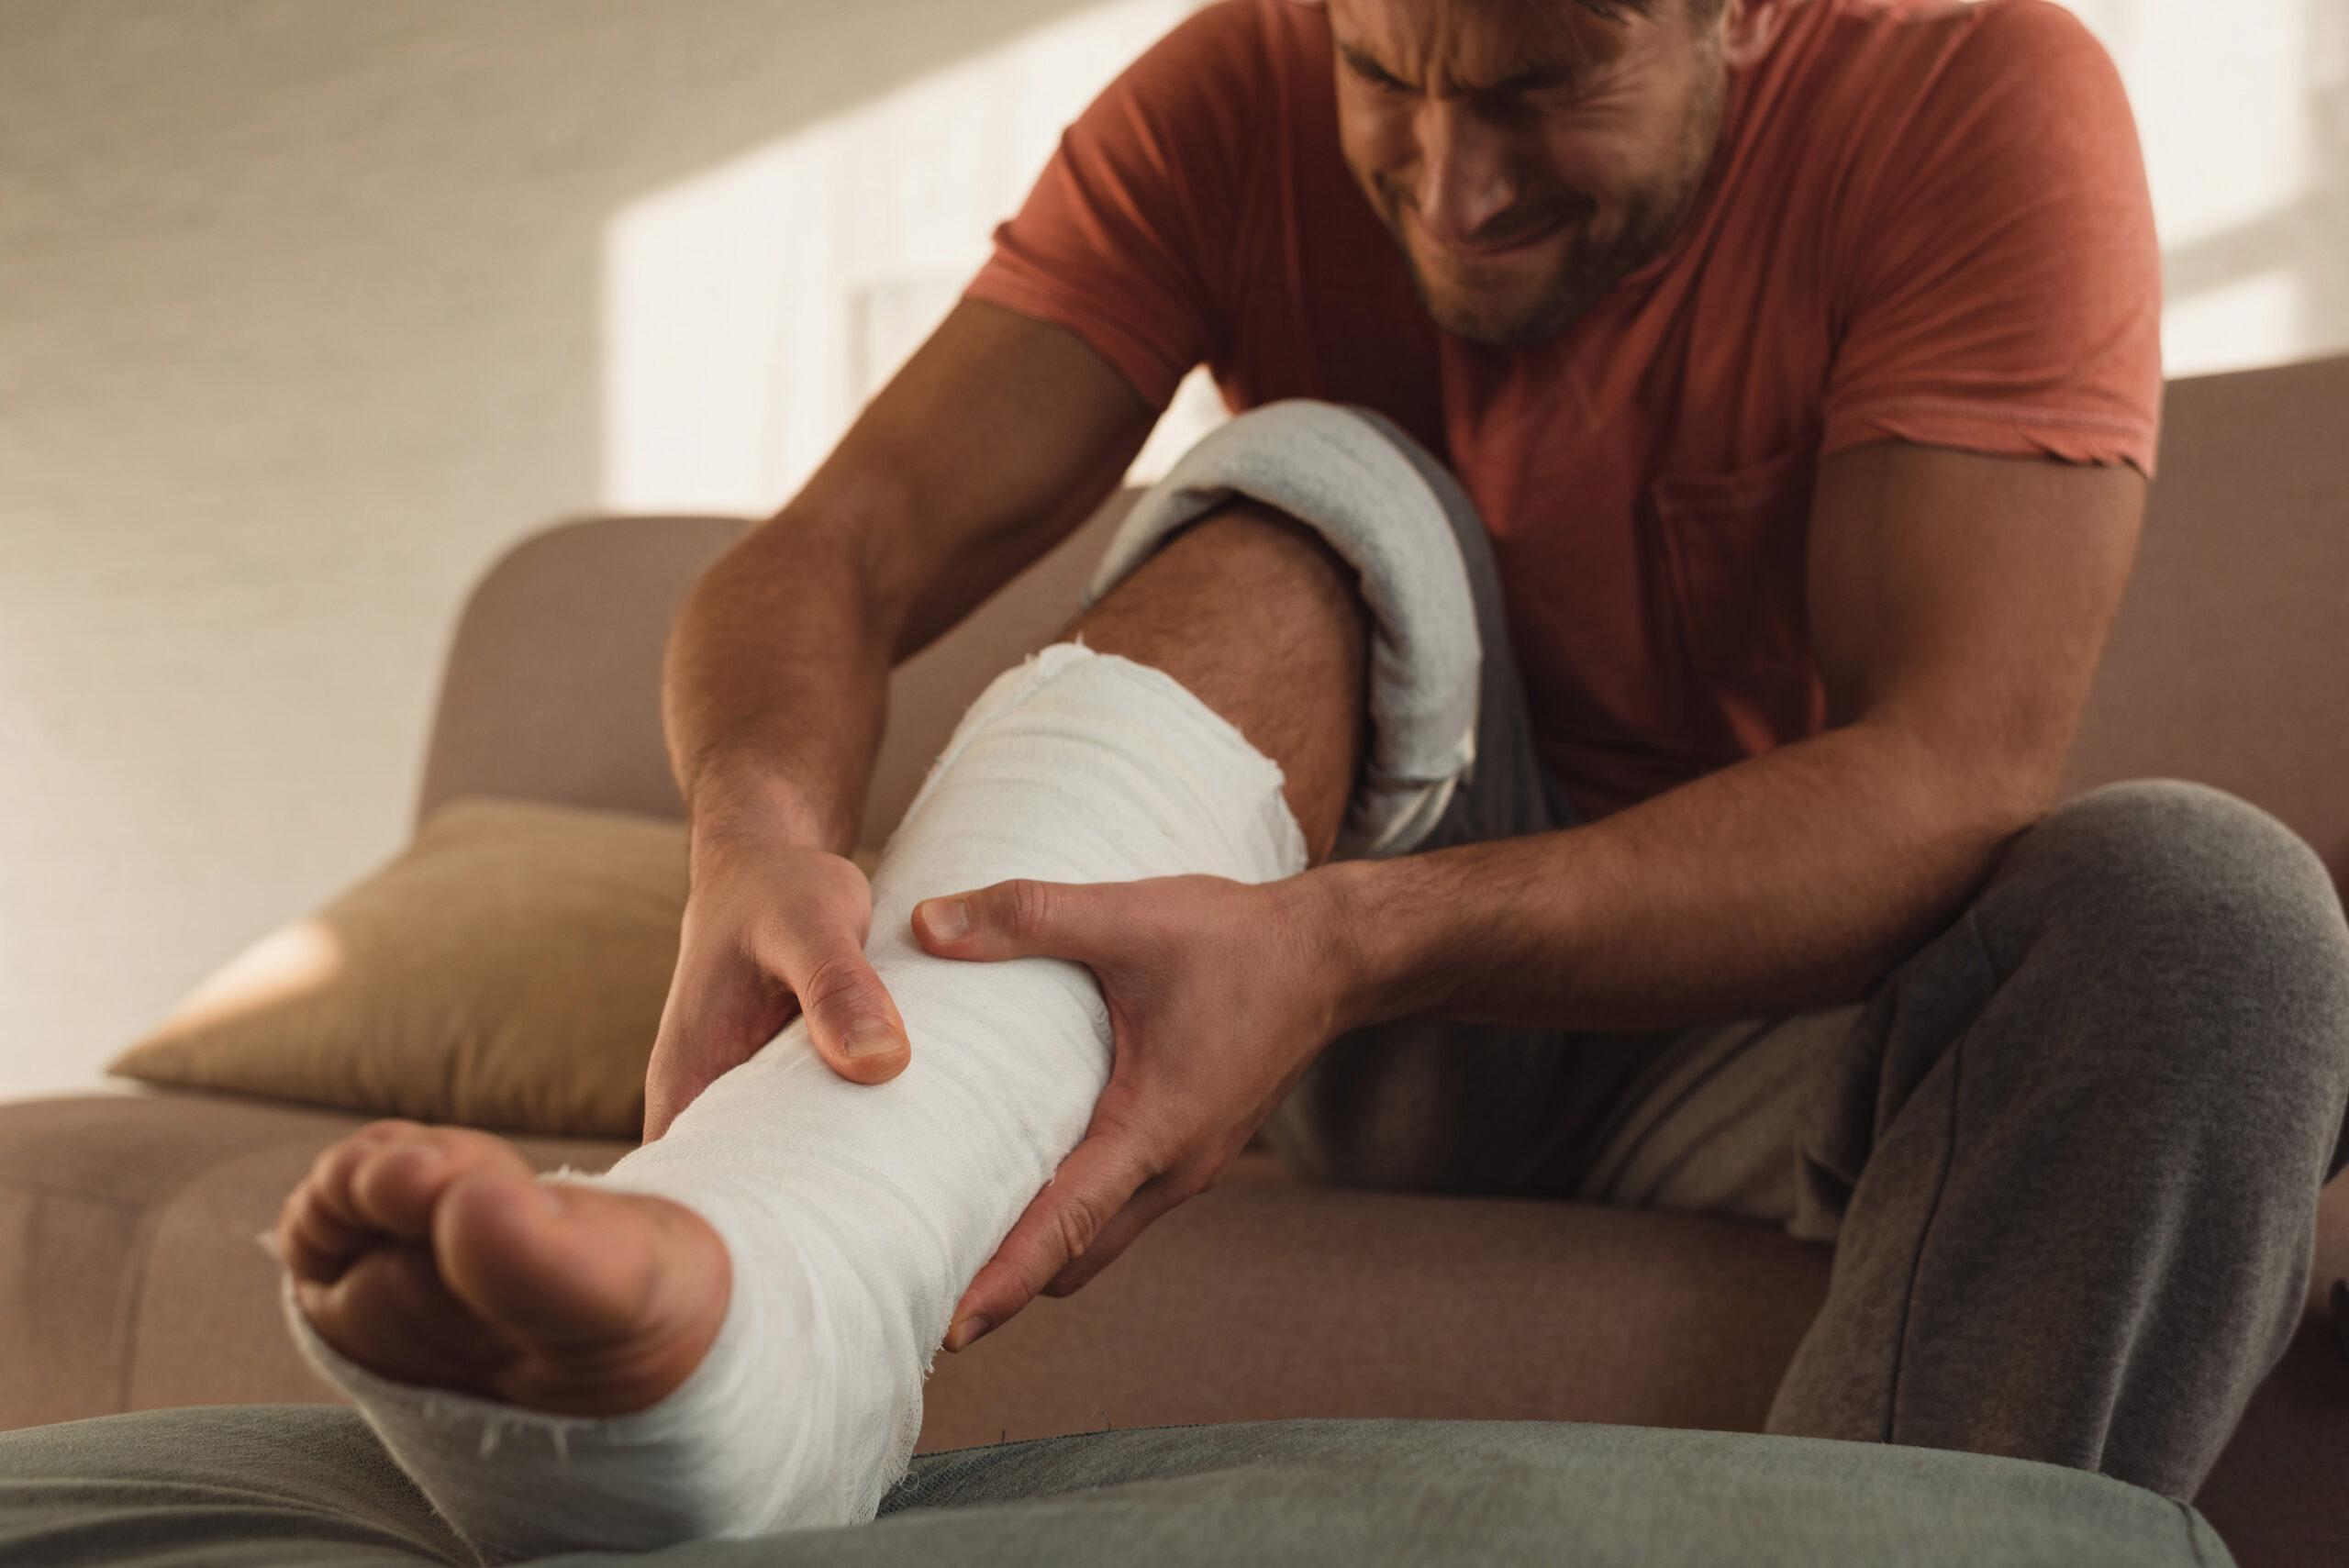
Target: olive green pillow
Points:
x,y
507,971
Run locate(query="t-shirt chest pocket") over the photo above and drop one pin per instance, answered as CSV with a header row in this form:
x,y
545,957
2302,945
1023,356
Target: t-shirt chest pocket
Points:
x,y
1730,550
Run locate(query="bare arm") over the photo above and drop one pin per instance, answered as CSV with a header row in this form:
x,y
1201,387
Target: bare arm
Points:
x,y
1957,603
993,443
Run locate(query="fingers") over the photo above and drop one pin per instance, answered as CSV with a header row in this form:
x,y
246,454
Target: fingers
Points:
x,y
1092,1186
1145,1209
1082,922
720,1009
812,940
851,1018
775,940
708,1027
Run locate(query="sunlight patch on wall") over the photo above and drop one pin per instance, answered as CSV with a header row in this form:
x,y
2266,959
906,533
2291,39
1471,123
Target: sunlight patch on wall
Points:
x,y
2219,92
748,313
2254,321
2240,109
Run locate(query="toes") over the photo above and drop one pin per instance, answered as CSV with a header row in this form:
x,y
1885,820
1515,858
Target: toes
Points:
x,y
381,1181
574,1265
318,1230
392,1184
434,1256
391,1312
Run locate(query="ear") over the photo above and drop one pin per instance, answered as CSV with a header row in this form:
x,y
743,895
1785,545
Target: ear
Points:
x,y
1748,28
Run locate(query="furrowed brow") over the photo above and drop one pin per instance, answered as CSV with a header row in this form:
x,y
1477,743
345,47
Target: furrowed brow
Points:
x,y
1532,79
1537,78
1362,63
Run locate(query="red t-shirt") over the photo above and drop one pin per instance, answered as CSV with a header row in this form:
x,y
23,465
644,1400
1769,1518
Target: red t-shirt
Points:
x,y
1924,223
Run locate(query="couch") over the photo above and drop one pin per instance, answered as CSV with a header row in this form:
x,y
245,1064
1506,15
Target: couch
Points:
x,y
129,1277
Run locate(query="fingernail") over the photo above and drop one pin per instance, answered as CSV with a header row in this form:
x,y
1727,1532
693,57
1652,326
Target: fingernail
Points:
x,y
947,919
868,1037
967,1332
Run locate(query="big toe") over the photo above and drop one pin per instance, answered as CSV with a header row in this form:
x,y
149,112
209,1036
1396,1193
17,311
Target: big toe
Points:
x,y
618,1294
542,1262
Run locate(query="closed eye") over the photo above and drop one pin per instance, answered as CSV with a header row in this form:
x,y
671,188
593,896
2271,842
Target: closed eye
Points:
x,y
1371,73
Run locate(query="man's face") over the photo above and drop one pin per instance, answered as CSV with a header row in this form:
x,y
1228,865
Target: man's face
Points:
x,y
1526,154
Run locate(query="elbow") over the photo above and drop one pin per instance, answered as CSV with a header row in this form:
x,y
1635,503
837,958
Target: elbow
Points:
x,y
1977,791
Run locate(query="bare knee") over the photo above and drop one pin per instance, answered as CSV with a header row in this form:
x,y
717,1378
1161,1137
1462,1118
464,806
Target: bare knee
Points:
x,y
1260,619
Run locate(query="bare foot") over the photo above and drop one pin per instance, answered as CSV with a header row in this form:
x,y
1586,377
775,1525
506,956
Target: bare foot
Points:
x,y
432,1255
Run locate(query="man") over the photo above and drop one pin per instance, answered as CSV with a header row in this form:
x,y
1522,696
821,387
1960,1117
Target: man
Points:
x,y
1798,364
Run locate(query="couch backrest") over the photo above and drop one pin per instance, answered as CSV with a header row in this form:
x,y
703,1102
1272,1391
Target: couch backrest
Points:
x,y
2230,663
552,690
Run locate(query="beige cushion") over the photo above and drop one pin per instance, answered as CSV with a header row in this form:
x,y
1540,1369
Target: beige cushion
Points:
x,y
507,971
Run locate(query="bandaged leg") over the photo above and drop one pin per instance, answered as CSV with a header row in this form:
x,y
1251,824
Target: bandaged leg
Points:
x,y
854,1216
1357,480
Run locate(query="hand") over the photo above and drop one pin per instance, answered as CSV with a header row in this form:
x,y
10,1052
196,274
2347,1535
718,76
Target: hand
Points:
x,y
1220,993
770,930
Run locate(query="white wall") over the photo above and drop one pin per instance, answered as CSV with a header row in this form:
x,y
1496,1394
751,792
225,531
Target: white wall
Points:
x,y
751,311
308,307
301,322
2243,108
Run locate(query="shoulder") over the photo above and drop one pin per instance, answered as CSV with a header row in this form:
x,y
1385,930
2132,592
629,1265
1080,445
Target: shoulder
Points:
x,y
1944,106
1931,67
1197,100
2028,35
2023,34
2012,49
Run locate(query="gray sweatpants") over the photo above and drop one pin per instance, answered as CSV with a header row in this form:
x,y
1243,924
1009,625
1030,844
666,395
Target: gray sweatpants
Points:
x,y
2068,1153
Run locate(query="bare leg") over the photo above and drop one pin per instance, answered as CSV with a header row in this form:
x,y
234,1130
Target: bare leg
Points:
x,y
1262,622
432,1256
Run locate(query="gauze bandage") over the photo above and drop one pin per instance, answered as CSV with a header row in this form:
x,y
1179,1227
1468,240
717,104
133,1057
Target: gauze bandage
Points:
x,y
855,1216
1337,472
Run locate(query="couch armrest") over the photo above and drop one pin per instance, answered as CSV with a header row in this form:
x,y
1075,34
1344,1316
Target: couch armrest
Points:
x,y
552,688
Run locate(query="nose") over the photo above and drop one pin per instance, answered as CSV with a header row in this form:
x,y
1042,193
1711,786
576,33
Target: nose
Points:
x,y
1463,176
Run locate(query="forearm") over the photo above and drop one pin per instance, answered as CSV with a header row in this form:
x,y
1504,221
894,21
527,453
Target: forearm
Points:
x,y
1789,882
996,439
777,680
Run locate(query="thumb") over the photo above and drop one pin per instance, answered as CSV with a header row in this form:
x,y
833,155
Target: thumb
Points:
x,y
1020,919
717,1014
851,1018
1091,1187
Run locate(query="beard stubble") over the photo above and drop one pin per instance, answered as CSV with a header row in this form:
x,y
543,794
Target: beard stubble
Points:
x,y
1651,218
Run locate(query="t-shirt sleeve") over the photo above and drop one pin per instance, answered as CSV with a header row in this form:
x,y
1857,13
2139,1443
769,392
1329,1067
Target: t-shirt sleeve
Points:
x,y
1127,239
2002,279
